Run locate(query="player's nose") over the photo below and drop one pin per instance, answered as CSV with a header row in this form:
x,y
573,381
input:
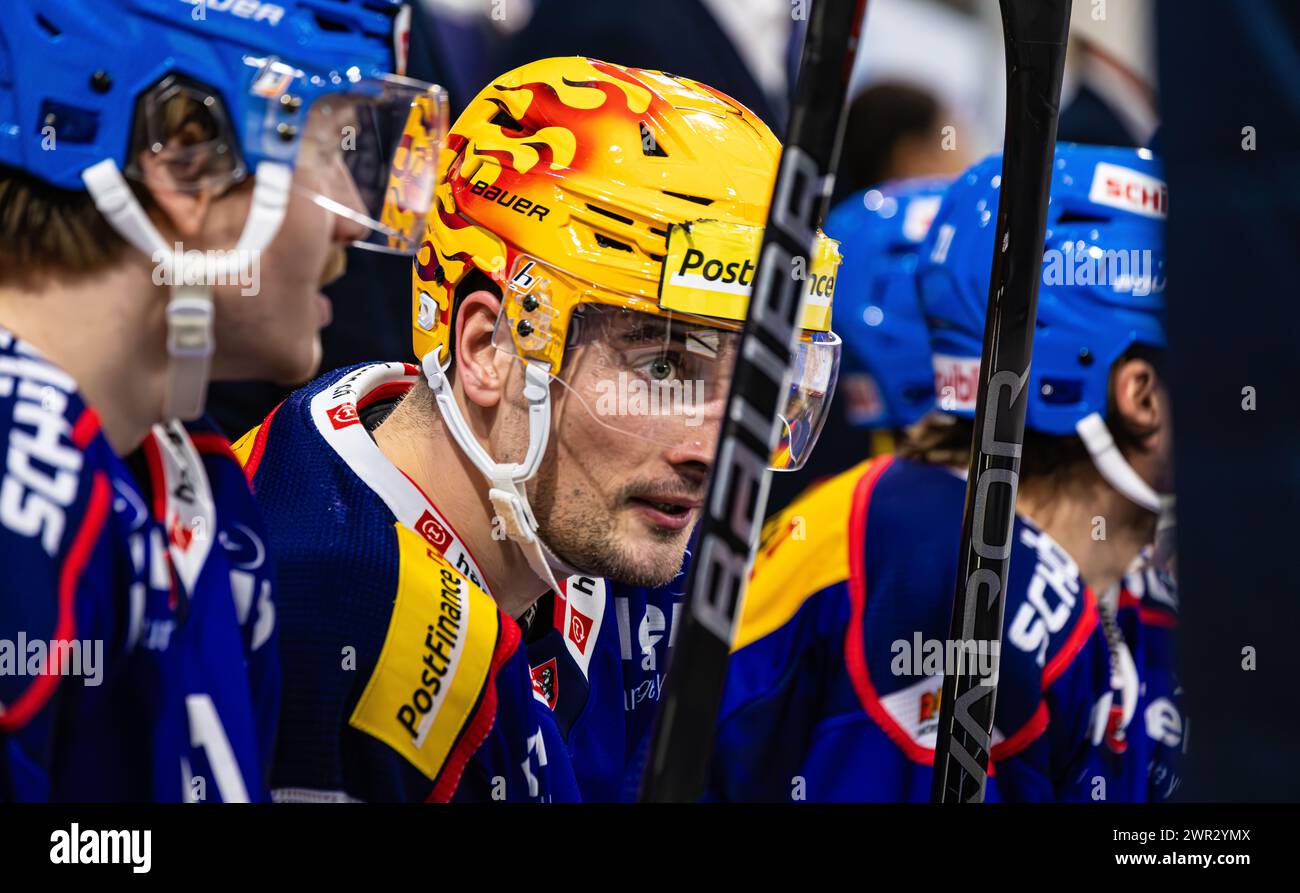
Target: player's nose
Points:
x,y
697,443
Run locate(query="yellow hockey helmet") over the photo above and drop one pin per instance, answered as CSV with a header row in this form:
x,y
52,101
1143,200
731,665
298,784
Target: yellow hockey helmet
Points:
x,y
572,182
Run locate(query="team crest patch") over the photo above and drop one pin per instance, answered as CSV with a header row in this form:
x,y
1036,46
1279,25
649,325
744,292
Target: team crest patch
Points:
x,y
579,628
429,528
546,682
343,415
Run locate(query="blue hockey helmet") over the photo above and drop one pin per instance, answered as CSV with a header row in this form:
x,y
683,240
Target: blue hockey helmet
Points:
x,y
886,379
88,87
1102,291
84,83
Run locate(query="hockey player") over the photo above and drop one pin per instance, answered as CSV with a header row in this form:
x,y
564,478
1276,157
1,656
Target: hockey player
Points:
x,y
833,689
155,161
886,382
576,304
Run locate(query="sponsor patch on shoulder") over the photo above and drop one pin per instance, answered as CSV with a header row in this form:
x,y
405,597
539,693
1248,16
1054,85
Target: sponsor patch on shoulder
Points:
x,y
435,660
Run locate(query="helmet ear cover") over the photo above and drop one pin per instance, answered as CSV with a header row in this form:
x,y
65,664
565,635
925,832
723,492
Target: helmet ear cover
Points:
x,y
183,110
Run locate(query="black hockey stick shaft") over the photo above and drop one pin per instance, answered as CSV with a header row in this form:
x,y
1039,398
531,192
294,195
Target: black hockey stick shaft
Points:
x,y
1035,33
682,739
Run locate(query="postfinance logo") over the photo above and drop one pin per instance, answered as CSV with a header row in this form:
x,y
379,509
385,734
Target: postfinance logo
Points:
x,y
435,660
710,266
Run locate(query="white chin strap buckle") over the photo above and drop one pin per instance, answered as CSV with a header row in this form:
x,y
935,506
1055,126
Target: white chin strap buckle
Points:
x,y
514,513
505,480
189,345
190,341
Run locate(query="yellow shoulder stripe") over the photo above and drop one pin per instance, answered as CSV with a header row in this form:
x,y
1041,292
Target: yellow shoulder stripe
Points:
x,y
804,550
244,445
436,658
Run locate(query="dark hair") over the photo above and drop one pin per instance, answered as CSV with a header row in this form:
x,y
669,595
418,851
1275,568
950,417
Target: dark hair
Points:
x,y
47,230
881,116
1055,463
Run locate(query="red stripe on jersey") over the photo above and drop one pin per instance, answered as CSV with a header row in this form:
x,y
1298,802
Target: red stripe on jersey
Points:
x,y
385,391
855,657
1157,617
84,431
476,730
158,490
1024,736
855,648
157,479
83,545
259,445
1074,643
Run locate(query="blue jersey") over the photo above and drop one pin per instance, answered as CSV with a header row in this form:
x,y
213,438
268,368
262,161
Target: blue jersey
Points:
x,y
833,689
600,665
402,679
1138,730
128,669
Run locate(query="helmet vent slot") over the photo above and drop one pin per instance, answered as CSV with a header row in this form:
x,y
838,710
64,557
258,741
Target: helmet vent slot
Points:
x,y
690,198
649,145
606,242
50,28
610,214
1080,217
331,25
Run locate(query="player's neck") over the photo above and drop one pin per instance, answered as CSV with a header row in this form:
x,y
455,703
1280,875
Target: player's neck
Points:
x,y
1098,527
108,332
426,453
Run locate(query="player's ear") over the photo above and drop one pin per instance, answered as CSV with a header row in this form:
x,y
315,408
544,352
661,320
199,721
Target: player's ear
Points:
x,y
479,368
181,206
1141,402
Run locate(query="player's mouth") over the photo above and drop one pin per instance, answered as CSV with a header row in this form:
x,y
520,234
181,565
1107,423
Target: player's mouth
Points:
x,y
671,512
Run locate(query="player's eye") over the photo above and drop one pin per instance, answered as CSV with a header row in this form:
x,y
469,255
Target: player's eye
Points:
x,y
660,366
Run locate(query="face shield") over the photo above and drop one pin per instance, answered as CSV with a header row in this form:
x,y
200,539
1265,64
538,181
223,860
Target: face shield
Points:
x,y
363,148
385,137
659,376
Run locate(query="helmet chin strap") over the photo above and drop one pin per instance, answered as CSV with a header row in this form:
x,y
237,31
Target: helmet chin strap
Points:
x,y
1117,472
189,310
507,480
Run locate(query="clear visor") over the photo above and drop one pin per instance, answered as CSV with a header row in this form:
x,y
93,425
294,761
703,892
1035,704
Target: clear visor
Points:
x,y
658,376
374,155
367,152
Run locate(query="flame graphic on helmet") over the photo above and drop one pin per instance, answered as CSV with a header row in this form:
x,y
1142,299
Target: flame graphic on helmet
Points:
x,y
585,166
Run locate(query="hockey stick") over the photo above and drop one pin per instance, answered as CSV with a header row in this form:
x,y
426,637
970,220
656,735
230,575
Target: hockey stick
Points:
x,y
682,740
1035,34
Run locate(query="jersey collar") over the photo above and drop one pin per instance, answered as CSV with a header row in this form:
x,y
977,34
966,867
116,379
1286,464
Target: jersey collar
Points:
x,y
335,412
